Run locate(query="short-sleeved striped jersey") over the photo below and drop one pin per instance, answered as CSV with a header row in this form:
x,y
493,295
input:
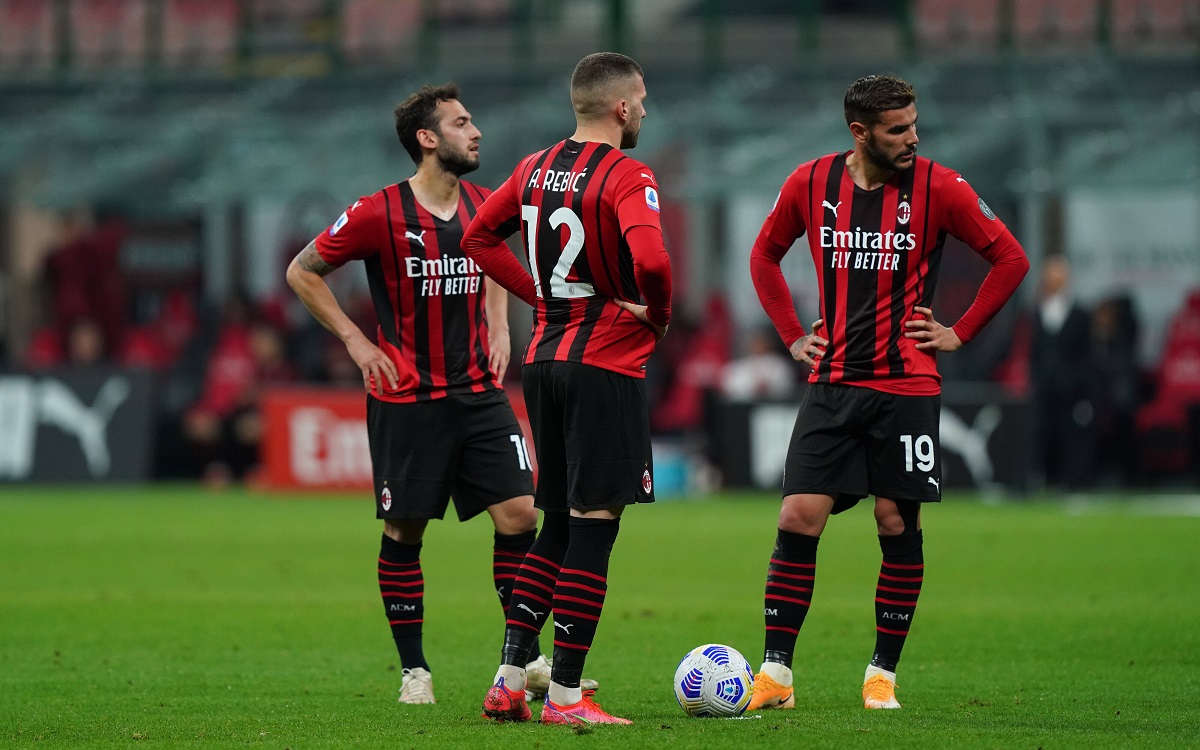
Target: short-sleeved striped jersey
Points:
x,y
876,254
429,297
571,202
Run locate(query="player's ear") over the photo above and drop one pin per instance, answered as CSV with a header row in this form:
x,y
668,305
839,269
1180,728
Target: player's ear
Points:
x,y
860,132
622,109
427,138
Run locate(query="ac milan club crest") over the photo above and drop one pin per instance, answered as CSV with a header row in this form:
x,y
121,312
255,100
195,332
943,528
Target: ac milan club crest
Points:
x,y
385,499
903,212
647,484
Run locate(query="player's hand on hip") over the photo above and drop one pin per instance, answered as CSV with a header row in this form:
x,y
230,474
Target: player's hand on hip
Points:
x,y
499,352
639,312
930,334
375,366
808,349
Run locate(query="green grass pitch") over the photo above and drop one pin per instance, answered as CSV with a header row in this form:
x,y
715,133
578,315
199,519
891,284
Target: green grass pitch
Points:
x,y
173,617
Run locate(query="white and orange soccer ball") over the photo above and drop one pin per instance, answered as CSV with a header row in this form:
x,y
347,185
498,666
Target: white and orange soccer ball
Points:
x,y
713,680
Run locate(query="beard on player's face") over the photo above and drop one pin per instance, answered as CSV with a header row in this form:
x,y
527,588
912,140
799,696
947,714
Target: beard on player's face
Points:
x,y
878,156
457,162
630,132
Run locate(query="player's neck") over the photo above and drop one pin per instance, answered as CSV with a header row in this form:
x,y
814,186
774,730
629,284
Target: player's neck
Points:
x,y
865,173
598,133
436,190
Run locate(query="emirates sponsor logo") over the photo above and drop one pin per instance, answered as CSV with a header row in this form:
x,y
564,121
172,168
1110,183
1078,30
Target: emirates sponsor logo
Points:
x,y
444,275
857,239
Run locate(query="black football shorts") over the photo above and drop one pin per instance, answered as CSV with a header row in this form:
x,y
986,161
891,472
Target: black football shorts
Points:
x,y
850,441
591,431
468,447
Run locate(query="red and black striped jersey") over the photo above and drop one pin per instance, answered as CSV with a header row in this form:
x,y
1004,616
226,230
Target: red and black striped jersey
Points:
x,y
429,297
877,254
574,203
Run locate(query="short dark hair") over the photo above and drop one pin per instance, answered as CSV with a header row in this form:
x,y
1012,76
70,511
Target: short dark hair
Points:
x,y
593,77
419,112
870,96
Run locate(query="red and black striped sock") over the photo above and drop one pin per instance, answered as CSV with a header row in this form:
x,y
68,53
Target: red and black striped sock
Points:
x,y
790,578
579,595
508,553
402,587
533,590
896,594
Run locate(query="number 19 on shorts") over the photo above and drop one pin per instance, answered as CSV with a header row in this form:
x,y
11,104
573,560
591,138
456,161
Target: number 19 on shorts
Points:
x,y
921,449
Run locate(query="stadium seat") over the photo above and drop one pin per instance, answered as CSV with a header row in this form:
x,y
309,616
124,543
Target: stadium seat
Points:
x,y
375,30
949,23
1150,20
199,33
108,34
27,41
45,349
1041,21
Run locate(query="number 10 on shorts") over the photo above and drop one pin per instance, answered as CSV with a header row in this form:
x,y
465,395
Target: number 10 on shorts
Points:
x,y
922,448
523,461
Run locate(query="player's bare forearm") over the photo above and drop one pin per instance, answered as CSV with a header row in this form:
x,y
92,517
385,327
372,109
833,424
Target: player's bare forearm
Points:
x,y
306,276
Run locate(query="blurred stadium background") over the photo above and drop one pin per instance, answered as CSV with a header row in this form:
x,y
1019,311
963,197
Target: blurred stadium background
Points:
x,y
162,160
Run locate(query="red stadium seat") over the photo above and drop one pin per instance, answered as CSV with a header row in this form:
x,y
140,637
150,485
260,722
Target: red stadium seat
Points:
x,y
1056,20
1142,20
108,34
199,33
27,40
45,349
375,30
941,23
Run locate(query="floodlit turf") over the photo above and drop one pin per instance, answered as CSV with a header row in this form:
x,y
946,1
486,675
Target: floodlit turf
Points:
x,y
174,617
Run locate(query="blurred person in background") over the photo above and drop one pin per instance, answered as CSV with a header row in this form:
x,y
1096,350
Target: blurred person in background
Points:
x,y
876,218
1059,351
589,218
85,277
762,372
224,427
438,420
85,346
1114,390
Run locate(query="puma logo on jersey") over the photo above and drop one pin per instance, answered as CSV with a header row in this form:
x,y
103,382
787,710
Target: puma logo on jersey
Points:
x,y
418,237
935,483
521,605
832,207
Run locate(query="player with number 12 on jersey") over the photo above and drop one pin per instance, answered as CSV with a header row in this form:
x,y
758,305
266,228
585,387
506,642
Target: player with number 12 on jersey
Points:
x,y
589,217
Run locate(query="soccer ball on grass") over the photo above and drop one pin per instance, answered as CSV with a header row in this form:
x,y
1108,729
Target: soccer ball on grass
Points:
x,y
713,680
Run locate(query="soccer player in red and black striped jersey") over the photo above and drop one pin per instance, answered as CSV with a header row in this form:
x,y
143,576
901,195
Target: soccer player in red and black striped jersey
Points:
x,y
876,219
439,422
589,219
